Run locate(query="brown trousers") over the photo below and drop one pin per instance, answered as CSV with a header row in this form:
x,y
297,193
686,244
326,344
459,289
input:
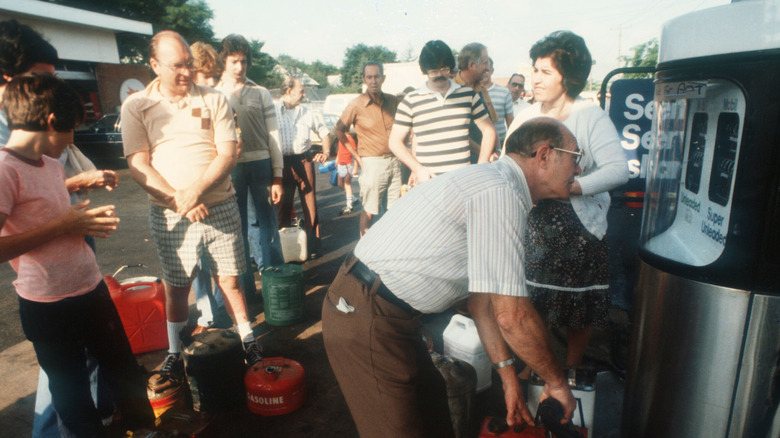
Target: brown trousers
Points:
x,y
299,174
382,365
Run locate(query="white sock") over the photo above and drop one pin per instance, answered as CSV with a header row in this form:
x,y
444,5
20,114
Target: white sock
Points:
x,y
349,201
244,330
174,329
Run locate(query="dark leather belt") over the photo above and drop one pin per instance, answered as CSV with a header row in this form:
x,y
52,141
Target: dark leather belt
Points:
x,y
366,276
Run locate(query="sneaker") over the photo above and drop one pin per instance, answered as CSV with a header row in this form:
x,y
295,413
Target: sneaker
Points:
x,y
346,210
172,364
252,353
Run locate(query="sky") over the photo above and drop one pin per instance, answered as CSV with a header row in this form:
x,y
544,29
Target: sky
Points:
x,y
323,29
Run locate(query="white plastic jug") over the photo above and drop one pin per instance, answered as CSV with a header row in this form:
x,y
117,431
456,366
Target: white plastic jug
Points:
x,y
461,341
293,240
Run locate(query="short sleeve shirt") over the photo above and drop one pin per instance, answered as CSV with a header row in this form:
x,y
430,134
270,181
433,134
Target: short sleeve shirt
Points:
x,y
181,137
372,121
441,125
432,250
33,193
294,128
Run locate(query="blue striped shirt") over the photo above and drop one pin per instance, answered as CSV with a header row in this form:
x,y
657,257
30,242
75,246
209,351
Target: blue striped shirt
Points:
x,y
502,103
441,125
432,250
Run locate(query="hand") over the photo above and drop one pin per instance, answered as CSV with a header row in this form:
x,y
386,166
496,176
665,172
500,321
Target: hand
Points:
x,y
276,191
562,394
321,157
184,201
94,179
198,213
421,175
516,406
97,222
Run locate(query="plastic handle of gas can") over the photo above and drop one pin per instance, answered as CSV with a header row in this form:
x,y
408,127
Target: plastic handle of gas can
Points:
x,y
141,286
112,283
463,321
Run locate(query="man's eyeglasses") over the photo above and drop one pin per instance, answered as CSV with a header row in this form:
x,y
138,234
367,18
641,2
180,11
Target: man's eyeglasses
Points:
x,y
444,71
578,153
179,67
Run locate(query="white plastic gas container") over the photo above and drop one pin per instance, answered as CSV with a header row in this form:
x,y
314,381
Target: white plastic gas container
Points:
x,y
461,341
293,240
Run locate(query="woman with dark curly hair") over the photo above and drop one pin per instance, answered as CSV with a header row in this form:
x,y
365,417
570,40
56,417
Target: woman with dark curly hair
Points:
x,y
566,252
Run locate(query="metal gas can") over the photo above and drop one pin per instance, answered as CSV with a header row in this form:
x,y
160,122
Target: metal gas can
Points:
x,y
214,364
283,294
140,302
461,379
165,392
275,386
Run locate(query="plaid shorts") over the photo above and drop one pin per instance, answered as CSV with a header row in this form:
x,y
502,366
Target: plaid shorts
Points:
x,y
180,243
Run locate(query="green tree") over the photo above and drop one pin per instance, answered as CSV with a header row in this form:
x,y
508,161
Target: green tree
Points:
x,y
190,18
645,55
356,56
317,70
262,69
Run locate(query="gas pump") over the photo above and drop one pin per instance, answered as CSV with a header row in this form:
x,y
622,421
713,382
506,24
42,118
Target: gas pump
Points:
x,y
705,359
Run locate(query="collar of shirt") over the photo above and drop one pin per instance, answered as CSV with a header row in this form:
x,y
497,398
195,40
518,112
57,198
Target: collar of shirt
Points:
x,y
516,178
155,94
368,100
425,90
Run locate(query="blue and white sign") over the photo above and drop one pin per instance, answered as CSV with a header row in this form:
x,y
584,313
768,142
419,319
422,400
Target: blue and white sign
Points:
x,y
631,110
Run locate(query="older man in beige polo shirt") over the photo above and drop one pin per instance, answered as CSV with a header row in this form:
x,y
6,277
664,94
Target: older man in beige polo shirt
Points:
x,y
180,144
372,115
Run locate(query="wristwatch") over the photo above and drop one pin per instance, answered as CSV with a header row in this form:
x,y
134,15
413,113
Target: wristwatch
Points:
x,y
504,363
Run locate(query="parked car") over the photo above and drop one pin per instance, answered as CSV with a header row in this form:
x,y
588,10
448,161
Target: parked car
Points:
x,y
102,142
329,120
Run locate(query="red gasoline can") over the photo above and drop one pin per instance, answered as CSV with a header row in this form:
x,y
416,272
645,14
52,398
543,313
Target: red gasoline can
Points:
x,y
140,302
275,386
497,428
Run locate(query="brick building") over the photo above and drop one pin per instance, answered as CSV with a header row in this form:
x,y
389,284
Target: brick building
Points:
x,y
86,44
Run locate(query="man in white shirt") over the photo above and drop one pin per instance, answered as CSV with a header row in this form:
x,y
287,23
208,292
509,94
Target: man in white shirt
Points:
x,y
517,90
295,123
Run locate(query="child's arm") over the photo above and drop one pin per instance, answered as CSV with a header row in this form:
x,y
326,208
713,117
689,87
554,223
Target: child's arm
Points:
x,y
77,219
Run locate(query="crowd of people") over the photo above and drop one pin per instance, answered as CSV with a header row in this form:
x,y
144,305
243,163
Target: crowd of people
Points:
x,y
519,236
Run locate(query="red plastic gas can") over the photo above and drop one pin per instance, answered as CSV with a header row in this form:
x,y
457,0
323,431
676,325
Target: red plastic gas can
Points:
x,y
497,428
275,386
140,302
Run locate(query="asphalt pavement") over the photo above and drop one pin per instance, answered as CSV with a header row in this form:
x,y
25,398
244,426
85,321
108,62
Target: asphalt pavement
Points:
x,y
325,413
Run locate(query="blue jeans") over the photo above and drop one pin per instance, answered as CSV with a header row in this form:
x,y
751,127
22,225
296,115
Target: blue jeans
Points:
x,y
46,422
254,179
202,287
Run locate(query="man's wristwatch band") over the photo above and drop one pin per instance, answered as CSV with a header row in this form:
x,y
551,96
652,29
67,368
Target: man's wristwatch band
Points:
x,y
502,364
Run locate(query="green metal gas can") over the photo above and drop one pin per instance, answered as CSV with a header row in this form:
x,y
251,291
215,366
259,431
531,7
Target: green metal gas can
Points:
x,y
283,294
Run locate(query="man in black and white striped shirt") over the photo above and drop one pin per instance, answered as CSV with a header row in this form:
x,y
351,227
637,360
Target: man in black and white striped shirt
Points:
x,y
427,253
439,114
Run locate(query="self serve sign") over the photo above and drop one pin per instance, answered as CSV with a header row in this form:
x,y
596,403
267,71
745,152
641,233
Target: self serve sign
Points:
x,y
631,110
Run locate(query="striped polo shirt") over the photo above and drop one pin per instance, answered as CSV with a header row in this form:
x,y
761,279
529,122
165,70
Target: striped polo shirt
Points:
x,y
502,102
458,233
441,124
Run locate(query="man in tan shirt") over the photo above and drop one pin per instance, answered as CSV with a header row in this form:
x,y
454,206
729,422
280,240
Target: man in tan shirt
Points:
x,y
180,144
372,115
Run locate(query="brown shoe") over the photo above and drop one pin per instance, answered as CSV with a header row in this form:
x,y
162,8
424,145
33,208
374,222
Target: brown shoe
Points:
x,y
199,329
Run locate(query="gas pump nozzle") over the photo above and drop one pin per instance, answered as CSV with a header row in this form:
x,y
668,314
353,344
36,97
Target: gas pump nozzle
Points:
x,y
550,413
